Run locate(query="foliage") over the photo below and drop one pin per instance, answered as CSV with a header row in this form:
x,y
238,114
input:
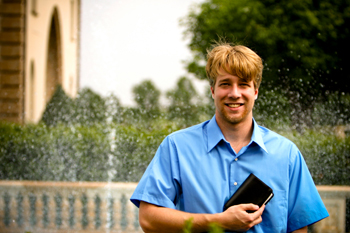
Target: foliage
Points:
x,y
104,141
76,153
183,103
333,110
146,96
213,228
296,38
120,152
327,155
303,44
59,109
188,226
38,152
89,107
114,110
272,109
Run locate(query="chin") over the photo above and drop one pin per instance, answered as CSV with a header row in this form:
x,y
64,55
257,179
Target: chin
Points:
x,y
235,119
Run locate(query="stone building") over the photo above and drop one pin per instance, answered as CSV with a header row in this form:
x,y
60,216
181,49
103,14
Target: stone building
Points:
x,y
39,48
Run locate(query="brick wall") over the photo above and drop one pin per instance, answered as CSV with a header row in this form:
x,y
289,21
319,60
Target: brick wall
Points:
x,y
12,34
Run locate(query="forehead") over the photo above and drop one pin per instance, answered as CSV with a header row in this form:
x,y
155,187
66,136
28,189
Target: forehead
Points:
x,y
224,76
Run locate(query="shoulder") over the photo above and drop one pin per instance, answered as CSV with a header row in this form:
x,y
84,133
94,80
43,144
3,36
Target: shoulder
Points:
x,y
279,145
270,136
192,132
191,137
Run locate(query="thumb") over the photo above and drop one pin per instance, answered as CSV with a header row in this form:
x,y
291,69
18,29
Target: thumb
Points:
x,y
249,207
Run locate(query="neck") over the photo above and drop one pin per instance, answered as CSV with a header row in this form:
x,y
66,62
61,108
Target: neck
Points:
x,y
238,135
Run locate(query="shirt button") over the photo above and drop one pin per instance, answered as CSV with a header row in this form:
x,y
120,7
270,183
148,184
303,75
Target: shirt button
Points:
x,y
235,183
236,159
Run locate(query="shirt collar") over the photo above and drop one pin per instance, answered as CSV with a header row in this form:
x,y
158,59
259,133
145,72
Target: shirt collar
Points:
x,y
214,135
257,136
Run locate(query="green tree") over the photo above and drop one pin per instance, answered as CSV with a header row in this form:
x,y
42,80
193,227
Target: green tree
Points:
x,y
59,109
303,43
183,103
207,105
114,109
146,96
90,107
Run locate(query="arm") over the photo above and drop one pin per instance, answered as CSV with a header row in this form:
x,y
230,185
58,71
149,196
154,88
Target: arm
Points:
x,y
301,230
160,219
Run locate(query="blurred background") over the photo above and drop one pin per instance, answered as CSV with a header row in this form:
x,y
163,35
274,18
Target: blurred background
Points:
x,y
123,74
89,89
126,42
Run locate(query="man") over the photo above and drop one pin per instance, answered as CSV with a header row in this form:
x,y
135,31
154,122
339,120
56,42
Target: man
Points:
x,y
196,170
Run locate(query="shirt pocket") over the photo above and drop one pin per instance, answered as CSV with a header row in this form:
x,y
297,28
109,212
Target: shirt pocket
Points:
x,y
274,218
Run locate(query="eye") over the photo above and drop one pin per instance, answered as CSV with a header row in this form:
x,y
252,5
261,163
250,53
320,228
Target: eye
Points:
x,y
245,84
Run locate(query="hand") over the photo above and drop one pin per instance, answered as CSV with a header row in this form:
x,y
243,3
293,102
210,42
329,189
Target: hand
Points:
x,y
238,219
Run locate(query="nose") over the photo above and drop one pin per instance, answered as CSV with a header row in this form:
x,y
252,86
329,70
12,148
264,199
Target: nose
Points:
x,y
234,92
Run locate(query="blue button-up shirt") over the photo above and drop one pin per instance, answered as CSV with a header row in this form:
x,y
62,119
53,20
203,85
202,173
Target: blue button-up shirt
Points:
x,y
196,170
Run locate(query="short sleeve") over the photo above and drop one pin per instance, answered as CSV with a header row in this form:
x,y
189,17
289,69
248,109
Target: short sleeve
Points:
x,y
305,205
160,184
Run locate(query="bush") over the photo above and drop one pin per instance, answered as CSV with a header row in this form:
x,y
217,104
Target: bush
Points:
x,y
76,153
117,152
327,155
272,109
90,108
59,109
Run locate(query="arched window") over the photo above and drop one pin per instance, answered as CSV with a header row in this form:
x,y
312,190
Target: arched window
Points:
x,y
54,65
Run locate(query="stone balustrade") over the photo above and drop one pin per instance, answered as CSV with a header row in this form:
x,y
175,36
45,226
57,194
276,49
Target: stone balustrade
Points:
x,y
335,198
30,206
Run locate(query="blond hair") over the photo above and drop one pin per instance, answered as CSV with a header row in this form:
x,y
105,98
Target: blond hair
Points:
x,y
237,60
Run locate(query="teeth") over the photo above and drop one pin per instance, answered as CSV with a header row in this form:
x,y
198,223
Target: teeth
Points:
x,y
234,105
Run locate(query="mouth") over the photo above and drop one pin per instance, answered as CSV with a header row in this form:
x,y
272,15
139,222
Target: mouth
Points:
x,y
234,105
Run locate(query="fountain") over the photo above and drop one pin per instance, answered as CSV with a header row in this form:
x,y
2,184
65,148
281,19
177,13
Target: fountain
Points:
x,y
76,169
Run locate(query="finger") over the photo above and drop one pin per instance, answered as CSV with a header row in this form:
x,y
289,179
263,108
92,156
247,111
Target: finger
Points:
x,y
257,221
259,212
250,207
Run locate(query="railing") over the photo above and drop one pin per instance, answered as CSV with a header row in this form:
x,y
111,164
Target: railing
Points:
x,y
55,207
29,206
334,197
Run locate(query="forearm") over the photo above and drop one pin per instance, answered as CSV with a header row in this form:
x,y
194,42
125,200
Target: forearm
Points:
x,y
159,219
301,230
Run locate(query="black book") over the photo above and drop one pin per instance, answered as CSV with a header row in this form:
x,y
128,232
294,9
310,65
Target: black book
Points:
x,y
253,190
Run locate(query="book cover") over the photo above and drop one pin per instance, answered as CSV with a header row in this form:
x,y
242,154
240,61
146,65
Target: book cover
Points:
x,y
253,190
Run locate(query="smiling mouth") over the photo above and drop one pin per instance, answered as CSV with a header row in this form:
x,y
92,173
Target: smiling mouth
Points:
x,y
234,105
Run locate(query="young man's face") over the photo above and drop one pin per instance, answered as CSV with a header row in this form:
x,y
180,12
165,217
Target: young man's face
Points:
x,y
234,99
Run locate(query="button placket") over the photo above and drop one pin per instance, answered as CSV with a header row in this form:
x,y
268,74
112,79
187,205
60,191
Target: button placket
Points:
x,y
233,180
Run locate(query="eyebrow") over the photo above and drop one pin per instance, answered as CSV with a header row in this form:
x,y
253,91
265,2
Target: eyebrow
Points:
x,y
224,80
244,80
229,80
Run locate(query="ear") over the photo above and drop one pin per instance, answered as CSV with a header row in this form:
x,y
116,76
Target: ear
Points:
x,y
212,92
256,93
